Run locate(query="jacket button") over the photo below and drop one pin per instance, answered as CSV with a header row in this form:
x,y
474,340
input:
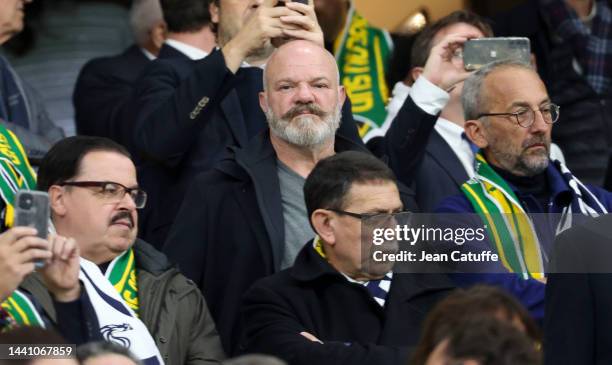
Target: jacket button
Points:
x,y
162,340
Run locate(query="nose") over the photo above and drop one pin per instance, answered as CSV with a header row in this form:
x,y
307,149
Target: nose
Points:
x,y
539,125
304,94
127,202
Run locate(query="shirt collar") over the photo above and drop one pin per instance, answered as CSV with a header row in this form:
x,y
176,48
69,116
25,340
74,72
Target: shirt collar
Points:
x,y
186,49
150,56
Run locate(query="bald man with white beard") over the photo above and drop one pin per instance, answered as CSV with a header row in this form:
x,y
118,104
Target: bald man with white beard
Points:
x,y
246,218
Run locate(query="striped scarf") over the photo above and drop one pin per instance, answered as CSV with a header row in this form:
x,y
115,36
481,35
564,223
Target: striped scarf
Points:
x,y
508,225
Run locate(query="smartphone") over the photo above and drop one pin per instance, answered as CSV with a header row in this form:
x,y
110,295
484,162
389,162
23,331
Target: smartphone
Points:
x,y
282,2
32,210
481,51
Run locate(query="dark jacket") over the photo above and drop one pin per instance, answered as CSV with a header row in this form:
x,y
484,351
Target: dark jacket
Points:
x,y
403,146
313,297
579,296
103,87
584,129
188,114
529,292
172,308
439,175
229,231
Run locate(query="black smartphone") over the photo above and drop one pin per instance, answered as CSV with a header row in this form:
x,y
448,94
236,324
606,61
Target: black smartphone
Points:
x,y
481,51
32,210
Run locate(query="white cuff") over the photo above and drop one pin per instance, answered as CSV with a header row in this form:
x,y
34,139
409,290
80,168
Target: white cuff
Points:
x,y
428,96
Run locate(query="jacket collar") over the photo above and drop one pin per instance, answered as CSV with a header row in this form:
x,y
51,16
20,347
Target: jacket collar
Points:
x,y
147,258
309,266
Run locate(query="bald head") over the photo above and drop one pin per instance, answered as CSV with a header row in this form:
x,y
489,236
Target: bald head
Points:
x,y
301,55
302,97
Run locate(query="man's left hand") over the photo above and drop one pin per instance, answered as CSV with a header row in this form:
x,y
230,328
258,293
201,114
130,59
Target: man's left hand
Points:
x,y
61,274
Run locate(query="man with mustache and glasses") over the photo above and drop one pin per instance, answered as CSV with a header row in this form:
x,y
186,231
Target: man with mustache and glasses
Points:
x,y
246,218
509,116
140,300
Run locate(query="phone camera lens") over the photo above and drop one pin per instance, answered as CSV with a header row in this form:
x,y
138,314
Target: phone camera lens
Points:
x,y
25,202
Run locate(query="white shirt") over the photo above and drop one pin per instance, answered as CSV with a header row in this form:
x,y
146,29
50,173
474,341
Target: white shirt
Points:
x,y
189,51
451,133
148,54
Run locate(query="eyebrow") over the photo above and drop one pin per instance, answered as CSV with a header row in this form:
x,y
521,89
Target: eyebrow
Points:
x,y
320,78
526,104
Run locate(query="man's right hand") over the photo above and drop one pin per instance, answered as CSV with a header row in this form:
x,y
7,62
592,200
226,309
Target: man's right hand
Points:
x,y
264,25
20,249
444,68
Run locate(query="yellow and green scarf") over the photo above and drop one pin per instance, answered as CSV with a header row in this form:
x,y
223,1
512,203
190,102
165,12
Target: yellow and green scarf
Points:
x,y
15,172
510,229
362,52
122,275
20,311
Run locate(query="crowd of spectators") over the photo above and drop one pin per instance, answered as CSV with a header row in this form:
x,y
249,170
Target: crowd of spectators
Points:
x,y
213,195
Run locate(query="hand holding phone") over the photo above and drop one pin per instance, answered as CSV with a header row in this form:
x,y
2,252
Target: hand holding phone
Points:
x,y
479,52
32,210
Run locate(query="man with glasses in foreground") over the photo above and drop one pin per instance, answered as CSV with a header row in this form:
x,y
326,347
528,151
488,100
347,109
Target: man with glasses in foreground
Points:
x,y
509,116
140,300
336,305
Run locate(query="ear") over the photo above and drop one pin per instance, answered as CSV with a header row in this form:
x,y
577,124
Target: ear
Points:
x,y
214,12
56,200
263,101
322,222
341,95
415,72
158,34
475,131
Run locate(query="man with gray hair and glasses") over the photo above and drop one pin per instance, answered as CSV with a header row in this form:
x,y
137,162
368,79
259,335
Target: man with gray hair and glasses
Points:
x,y
509,117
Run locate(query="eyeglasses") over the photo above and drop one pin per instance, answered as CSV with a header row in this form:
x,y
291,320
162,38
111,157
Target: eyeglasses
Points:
x,y
374,218
111,191
526,117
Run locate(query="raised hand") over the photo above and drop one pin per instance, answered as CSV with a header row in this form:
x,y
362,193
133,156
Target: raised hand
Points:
x,y
20,249
61,274
444,67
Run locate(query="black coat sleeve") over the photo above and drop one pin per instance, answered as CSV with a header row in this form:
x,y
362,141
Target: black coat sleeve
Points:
x,y
403,146
100,103
270,327
173,109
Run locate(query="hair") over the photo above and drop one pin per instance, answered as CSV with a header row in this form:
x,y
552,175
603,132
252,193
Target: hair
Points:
x,y
465,304
255,359
31,336
490,342
331,179
472,96
182,16
63,160
424,41
144,14
101,348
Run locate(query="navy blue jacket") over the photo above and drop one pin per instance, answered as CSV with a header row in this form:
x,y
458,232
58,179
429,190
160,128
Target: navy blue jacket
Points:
x,y
439,175
102,89
313,297
579,296
529,292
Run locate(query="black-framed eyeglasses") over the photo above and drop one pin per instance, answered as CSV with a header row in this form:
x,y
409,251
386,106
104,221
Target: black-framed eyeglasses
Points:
x,y
112,192
372,217
526,117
